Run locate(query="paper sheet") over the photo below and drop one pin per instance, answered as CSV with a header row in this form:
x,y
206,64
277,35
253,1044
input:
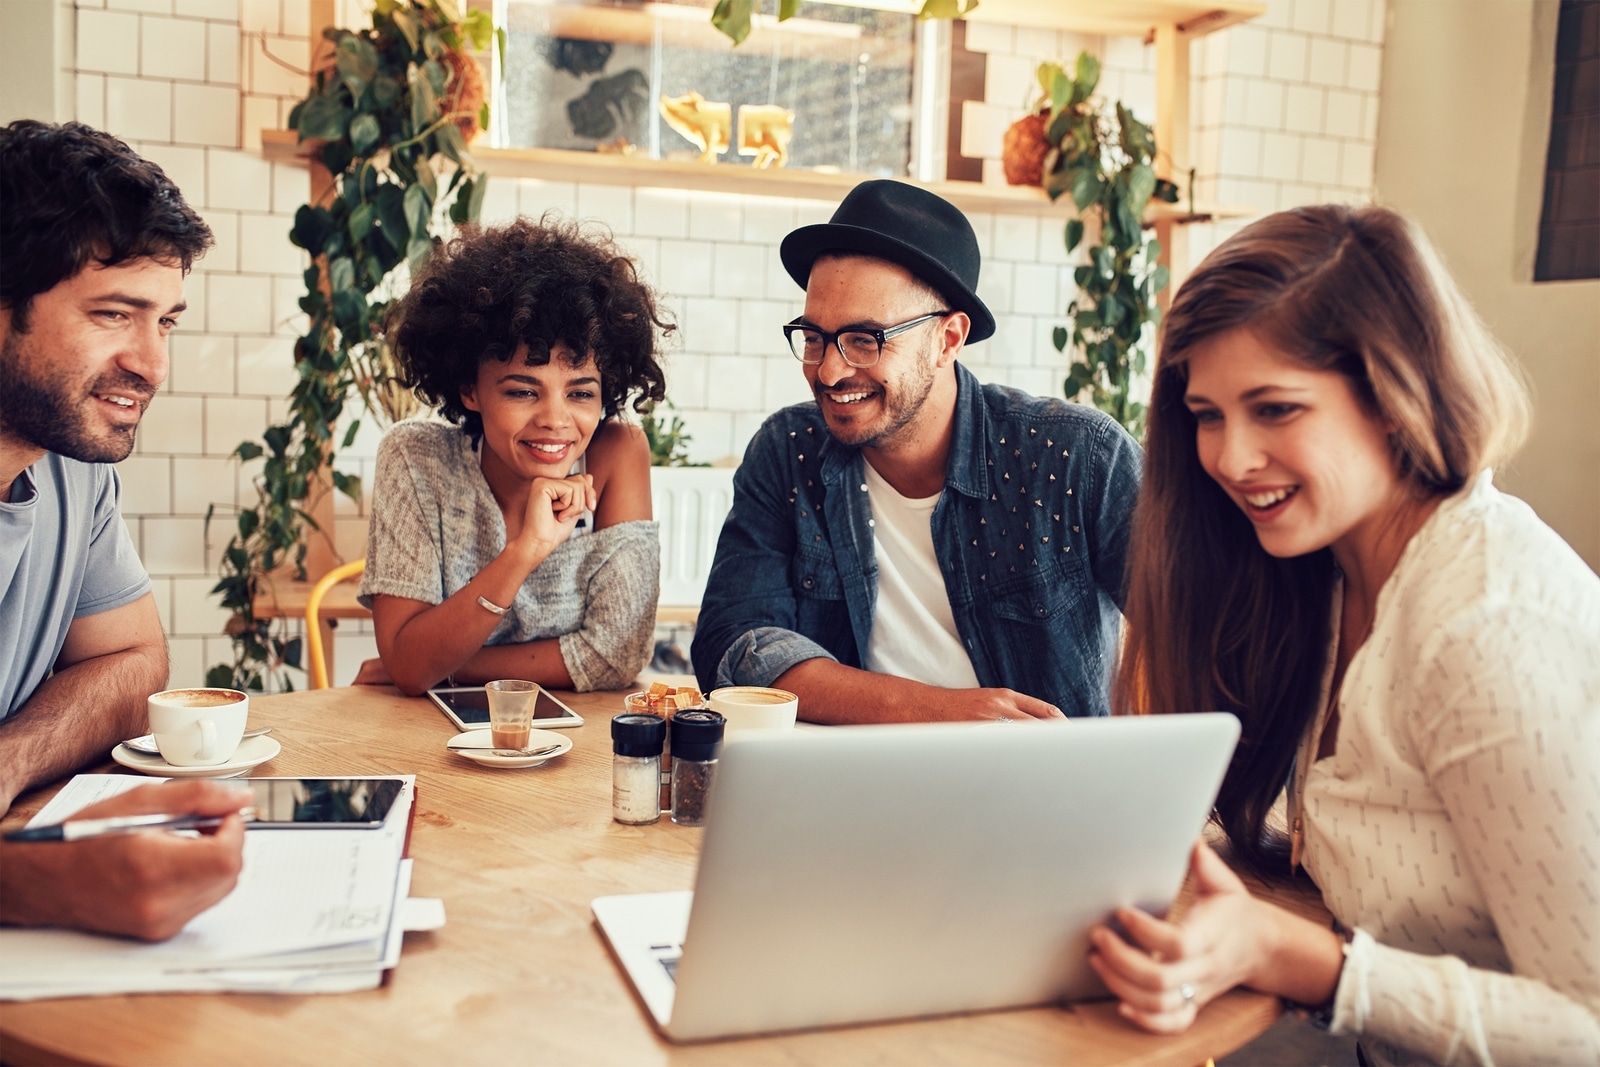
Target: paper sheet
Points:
x,y
315,910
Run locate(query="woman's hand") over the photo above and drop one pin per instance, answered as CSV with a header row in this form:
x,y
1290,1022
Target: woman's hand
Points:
x,y
554,507
1225,939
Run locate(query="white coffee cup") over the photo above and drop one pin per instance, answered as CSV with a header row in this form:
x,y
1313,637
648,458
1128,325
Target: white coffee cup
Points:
x,y
754,710
198,727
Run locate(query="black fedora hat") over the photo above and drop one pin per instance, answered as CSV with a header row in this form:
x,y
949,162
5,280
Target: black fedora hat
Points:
x,y
903,224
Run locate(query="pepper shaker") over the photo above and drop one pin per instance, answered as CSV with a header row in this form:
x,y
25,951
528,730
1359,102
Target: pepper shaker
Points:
x,y
636,743
696,742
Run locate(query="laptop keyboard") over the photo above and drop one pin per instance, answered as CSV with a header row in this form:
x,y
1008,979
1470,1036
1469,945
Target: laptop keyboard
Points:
x,y
667,956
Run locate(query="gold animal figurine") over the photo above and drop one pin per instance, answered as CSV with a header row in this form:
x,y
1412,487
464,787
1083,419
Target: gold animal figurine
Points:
x,y
707,123
764,132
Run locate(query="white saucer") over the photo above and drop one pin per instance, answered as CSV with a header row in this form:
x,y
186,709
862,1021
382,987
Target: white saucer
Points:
x,y
478,746
252,752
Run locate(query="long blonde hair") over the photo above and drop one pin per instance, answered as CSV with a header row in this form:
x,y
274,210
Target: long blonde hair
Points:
x,y
1214,622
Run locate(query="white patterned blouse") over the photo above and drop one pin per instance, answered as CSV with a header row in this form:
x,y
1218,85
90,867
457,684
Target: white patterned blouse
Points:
x,y
1456,828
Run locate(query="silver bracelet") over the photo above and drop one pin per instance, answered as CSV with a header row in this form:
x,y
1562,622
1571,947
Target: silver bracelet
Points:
x,y
493,609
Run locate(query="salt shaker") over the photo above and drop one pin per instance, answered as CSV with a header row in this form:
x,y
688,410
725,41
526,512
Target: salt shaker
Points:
x,y
696,739
636,742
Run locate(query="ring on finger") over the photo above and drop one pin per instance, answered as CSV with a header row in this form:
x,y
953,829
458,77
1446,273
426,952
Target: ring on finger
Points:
x,y
1186,991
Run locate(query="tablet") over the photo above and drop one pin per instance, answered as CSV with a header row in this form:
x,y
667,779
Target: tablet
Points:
x,y
468,707
322,803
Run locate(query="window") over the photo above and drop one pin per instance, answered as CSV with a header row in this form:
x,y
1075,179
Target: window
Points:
x,y
829,89
1569,228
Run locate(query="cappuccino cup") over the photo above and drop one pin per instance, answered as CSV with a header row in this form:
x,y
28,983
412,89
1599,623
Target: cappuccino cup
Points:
x,y
198,727
754,710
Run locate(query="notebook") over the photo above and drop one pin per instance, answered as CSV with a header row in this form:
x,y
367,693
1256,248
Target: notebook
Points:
x,y
884,872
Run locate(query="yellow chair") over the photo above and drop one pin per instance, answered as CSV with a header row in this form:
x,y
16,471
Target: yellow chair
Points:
x,y
316,658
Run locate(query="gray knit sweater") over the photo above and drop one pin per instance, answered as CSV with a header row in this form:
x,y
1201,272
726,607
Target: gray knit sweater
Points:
x,y
435,525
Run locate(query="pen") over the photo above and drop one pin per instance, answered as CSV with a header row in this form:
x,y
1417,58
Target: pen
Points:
x,y
80,829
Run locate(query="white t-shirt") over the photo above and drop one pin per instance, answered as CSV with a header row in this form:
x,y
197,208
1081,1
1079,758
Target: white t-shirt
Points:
x,y
913,631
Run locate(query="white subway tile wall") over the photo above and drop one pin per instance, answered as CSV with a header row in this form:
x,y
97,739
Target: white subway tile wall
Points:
x,y
1284,110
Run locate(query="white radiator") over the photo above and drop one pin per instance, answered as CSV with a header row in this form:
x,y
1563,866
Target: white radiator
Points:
x,y
690,504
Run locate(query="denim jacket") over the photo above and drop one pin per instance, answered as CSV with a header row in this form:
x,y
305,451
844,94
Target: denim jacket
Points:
x,y
1030,533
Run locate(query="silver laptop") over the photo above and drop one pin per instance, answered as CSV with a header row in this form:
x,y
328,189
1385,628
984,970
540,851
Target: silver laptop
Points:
x,y
883,872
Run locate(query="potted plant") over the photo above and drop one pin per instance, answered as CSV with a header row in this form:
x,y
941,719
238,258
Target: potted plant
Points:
x,y
1104,158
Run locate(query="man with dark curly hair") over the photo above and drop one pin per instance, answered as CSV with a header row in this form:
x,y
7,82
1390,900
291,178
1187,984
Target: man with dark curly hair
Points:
x,y
514,538
94,245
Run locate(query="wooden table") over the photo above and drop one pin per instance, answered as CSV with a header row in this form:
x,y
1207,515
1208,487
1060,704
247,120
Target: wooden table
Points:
x,y
520,973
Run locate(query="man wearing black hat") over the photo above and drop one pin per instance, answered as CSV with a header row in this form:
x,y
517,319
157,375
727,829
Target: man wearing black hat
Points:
x,y
913,544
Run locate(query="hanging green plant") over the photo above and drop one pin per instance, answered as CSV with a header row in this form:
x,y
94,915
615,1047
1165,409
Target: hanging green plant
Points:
x,y
1105,162
391,115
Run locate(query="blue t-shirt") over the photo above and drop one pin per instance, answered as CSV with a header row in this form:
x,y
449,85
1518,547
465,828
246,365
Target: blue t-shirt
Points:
x,y
64,553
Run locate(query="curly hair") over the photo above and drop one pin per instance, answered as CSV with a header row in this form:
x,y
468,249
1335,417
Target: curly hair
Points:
x,y
493,289
71,192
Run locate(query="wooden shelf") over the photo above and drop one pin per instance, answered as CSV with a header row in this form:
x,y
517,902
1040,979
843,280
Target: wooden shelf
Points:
x,y
559,165
1118,18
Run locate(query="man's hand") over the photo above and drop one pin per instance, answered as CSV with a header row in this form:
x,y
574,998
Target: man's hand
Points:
x,y
832,693
1003,705
145,885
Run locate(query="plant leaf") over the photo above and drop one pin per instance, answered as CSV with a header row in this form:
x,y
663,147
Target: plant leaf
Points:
x,y
1086,187
1061,91
1058,337
1087,77
350,434
419,209
248,450
311,226
1046,75
732,17
357,62
405,25
361,220
417,253
480,186
342,274
424,102
323,118
479,25
364,134
1141,184
1074,234
788,9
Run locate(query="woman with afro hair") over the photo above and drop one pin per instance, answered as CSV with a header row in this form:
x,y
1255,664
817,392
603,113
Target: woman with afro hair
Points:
x,y
512,537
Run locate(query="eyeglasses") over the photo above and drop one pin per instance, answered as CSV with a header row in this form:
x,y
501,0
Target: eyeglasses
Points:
x,y
859,347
